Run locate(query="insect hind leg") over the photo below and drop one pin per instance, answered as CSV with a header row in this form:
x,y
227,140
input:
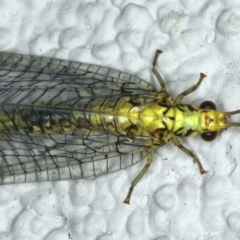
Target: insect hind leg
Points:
x,y
155,71
138,178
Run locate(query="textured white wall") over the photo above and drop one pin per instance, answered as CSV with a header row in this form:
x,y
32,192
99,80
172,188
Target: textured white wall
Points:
x,y
173,201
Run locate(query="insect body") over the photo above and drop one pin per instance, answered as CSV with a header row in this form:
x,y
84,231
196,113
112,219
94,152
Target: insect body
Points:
x,y
66,120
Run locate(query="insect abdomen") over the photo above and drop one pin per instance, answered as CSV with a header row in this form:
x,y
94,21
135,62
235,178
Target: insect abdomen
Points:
x,y
35,121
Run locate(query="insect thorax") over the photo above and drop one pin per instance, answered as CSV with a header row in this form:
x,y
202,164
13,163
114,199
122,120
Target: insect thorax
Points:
x,y
146,118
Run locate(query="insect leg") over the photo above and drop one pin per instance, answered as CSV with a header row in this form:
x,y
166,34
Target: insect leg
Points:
x,y
138,178
188,152
179,98
155,71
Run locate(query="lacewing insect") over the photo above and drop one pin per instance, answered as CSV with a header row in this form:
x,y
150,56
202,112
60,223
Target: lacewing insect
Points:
x,y
68,120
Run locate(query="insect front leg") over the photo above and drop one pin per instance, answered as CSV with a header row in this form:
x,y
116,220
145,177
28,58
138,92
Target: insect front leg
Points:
x,y
138,178
180,97
189,153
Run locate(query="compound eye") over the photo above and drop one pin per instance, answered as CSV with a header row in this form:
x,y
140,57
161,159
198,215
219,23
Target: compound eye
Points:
x,y
209,136
208,105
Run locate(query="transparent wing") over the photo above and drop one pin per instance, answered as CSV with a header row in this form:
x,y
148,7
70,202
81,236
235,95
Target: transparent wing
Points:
x,y
61,157
43,88
35,72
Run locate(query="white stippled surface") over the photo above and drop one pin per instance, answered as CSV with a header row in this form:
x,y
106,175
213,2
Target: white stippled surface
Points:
x,y
173,201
